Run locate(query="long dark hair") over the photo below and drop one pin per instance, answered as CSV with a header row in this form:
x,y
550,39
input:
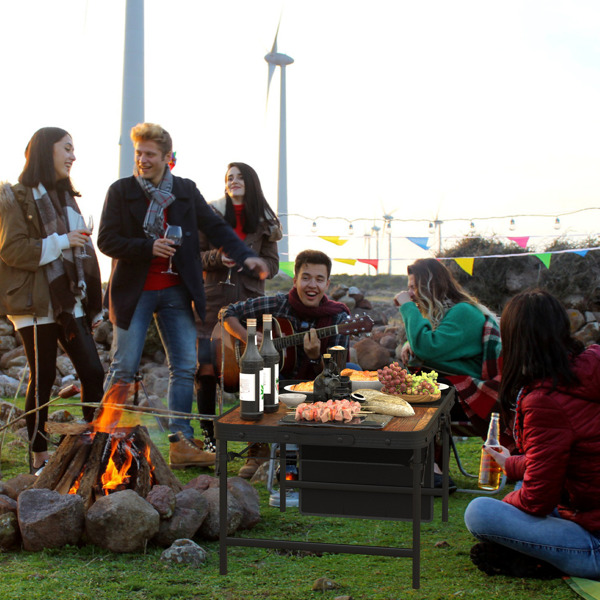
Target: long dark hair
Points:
x,y
256,206
437,289
536,344
39,161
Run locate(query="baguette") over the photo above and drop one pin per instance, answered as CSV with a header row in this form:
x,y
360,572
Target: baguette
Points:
x,y
395,409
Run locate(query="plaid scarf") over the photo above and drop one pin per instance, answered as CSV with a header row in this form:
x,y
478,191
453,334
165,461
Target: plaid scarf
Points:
x,y
160,198
479,397
68,276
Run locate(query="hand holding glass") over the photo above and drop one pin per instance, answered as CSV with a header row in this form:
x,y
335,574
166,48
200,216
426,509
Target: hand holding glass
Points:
x,y
90,226
175,234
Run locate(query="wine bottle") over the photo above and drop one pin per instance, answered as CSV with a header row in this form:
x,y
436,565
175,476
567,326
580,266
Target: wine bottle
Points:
x,y
251,378
270,358
490,472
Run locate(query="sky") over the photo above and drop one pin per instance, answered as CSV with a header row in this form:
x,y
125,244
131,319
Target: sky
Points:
x,y
455,110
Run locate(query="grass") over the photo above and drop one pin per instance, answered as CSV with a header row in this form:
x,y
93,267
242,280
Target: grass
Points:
x,y
89,572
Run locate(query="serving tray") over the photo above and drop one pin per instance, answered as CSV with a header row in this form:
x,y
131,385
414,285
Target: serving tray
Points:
x,y
361,422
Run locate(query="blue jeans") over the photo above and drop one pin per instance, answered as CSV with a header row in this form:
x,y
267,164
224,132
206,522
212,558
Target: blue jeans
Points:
x,y
560,542
172,309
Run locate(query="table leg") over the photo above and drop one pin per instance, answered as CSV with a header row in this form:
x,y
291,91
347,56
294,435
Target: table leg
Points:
x,y
417,467
445,465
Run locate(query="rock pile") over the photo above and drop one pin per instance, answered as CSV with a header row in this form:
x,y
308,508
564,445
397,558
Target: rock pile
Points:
x,y
122,521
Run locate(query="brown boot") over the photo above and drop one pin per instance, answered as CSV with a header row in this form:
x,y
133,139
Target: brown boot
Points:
x,y
185,453
257,454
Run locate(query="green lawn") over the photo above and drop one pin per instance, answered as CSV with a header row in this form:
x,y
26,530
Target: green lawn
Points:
x,y
91,573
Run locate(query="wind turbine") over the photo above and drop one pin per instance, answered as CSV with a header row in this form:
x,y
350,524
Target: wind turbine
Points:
x,y
132,104
278,59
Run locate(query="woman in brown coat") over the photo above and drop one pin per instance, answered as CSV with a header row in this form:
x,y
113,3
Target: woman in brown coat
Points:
x,y
245,208
49,291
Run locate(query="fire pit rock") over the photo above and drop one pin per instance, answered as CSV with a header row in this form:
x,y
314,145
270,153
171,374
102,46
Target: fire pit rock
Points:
x,y
184,551
48,519
121,522
209,529
191,508
162,498
10,536
7,504
249,501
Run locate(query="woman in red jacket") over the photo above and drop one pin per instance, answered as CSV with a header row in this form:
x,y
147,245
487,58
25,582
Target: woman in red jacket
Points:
x,y
551,522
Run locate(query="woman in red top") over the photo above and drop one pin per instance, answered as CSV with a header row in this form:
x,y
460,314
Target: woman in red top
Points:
x,y
245,208
551,522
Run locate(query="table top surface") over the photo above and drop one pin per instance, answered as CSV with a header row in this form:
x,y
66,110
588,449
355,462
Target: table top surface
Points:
x,y
231,426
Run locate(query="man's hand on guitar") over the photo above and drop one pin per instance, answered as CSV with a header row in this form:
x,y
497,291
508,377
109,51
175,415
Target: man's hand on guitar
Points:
x,y
312,344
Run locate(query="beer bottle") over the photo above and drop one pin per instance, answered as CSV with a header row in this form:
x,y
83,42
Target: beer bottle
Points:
x,y
251,378
490,472
270,358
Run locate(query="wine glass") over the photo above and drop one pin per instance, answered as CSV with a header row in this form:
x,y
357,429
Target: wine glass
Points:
x,y
175,234
90,226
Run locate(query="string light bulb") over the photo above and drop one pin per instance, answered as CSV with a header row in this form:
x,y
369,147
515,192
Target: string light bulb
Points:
x,y
472,225
512,225
350,229
431,227
313,227
557,223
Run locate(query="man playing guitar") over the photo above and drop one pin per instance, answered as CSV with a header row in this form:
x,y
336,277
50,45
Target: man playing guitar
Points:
x,y
307,308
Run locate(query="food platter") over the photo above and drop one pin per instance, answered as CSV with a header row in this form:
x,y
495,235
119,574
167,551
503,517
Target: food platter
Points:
x,y
420,398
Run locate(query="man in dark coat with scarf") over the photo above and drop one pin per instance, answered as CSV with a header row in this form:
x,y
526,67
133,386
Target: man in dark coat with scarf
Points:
x,y
136,212
307,308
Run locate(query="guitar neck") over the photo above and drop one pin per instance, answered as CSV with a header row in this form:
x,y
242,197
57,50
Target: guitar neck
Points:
x,y
296,339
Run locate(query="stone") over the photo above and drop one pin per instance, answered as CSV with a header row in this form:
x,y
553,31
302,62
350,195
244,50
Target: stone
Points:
x,y
389,342
191,509
7,342
247,496
10,534
9,412
61,416
156,381
202,483
6,327
162,498
7,504
349,301
103,333
589,334
9,386
20,483
210,526
184,552
48,519
121,522
7,359
576,318
371,356
65,366
323,584
153,401
590,316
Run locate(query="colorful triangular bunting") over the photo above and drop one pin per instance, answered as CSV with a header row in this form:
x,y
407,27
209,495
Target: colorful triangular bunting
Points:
x,y
545,257
348,261
466,264
334,239
287,267
374,262
520,241
580,252
422,242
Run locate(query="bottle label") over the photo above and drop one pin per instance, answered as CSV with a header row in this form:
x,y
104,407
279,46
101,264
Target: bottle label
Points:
x,y
247,387
267,379
276,390
261,387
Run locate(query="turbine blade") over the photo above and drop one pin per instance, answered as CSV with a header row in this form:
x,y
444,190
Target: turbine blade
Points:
x,y
271,68
274,48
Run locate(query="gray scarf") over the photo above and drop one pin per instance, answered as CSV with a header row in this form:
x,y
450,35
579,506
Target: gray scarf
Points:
x,y
160,198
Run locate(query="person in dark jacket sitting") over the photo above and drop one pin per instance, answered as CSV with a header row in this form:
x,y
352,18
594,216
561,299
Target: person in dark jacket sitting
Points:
x,y
551,522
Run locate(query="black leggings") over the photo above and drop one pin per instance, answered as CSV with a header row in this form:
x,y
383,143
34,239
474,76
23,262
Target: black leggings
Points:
x,y
84,356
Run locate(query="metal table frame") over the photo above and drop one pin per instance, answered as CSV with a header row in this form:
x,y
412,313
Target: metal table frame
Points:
x,y
415,433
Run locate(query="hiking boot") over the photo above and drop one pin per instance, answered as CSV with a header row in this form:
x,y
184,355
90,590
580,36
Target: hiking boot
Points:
x,y
257,454
495,559
183,452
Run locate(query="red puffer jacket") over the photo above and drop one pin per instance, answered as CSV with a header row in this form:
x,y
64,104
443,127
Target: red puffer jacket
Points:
x,y
559,433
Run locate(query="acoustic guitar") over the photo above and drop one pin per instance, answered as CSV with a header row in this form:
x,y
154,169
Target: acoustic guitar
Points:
x,y
227,350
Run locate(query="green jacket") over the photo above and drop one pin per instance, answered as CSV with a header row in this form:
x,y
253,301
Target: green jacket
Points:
x,y
455,347
23,284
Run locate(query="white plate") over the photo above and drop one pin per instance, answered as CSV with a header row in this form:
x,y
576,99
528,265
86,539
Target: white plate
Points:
x,y
290,388
443,386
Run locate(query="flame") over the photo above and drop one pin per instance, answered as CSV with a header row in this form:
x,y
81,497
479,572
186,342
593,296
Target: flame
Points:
x,y
75,485
111,413
114,476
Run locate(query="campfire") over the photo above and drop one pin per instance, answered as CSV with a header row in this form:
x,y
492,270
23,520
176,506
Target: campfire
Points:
x,y
113,452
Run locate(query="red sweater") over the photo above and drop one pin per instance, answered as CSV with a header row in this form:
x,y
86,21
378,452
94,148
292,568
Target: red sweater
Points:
x,y
560,437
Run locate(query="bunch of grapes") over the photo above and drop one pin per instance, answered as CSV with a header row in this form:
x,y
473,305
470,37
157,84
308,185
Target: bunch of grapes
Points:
x,y
396,380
